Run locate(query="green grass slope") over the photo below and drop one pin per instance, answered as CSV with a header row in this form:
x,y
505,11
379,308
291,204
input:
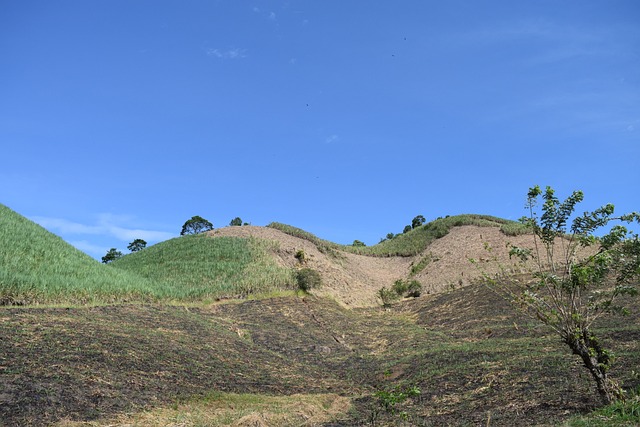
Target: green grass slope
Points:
x,y
37,266
411,243
199,267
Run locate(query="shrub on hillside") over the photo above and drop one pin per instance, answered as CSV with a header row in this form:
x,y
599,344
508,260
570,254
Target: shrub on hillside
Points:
x,y
407,288
308,279
301,256
387,296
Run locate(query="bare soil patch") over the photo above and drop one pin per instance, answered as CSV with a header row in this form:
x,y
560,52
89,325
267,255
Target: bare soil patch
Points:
x,y
354,280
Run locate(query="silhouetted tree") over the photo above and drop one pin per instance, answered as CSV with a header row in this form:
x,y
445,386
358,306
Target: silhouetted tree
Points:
x,y
417,221
236,222
112,255
196,225
137,245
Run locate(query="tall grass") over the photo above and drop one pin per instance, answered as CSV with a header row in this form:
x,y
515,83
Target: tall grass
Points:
x,y
38,267
200,267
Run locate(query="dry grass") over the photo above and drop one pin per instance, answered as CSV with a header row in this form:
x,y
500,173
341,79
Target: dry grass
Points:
x,y
234,410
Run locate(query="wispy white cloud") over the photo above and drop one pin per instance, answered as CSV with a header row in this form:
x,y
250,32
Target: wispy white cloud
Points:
x,y
331,138
548,41
272,16
227,54
106,225
66,227
89,248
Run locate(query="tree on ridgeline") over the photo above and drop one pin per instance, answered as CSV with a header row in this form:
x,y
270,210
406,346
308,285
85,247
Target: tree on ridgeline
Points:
x,y
112,255
196,225
417,221
137,245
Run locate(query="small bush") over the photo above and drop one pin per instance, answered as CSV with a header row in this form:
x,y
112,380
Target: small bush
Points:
x,y
400,287
308,279
414,289
407,288
388,296
301,256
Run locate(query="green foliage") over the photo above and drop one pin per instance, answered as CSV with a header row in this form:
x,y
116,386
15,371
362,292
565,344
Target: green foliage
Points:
x,y
407,288
301,256
38,267
421,264
414,289
358,243
620,413
137,245
391,401
387,296
197,267
308,279
417,221
406,229
196,225
577,277
112,255
236,222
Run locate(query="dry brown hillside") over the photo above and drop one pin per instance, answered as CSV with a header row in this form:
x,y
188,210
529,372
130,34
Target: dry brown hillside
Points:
x,y
354,280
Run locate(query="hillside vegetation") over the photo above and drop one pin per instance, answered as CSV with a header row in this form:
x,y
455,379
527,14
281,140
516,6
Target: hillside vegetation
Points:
x,y
412,242
38,267
143,341
198,267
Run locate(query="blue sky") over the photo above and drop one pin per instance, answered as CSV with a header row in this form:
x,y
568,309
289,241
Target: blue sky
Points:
x,y
122,119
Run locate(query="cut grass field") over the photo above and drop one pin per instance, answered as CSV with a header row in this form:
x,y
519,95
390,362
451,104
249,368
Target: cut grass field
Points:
x,y
144,365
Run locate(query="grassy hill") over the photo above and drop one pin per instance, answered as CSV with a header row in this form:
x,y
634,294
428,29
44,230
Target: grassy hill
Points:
x,y
198,267
37,266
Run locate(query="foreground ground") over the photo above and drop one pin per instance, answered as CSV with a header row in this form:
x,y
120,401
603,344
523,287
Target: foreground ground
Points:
x,y
295,361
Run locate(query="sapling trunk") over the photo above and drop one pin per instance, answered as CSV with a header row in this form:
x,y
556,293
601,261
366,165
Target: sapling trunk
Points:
x,y
597,360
